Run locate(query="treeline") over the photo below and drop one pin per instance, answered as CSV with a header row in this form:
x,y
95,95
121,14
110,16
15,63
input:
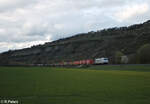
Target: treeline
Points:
x,y
142,56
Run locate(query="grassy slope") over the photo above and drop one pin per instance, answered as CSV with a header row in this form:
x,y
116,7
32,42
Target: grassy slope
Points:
x,y
69,86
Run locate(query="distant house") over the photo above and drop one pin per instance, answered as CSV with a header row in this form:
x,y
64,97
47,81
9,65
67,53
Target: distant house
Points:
x,y
124,59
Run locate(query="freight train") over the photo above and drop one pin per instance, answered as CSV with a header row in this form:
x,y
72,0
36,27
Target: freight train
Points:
x,y
85,62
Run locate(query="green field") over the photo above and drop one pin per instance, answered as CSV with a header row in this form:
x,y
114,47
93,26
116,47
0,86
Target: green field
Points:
x,y
92,85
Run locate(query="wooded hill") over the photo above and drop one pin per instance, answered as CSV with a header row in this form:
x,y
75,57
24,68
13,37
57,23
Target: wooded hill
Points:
x,y
102,43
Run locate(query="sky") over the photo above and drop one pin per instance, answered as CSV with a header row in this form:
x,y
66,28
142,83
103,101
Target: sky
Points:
x,y
24,23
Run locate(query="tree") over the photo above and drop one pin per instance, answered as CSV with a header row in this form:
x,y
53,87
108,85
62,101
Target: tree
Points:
x,y
143,54
118,56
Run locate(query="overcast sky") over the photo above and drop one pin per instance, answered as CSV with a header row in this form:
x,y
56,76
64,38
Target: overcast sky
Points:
x,y
24,23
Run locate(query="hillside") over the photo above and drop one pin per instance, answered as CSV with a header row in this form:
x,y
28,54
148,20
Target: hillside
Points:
x,y
102,43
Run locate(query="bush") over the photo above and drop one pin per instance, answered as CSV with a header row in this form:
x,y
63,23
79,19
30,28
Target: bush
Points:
x,y
132,59
143,54
118,56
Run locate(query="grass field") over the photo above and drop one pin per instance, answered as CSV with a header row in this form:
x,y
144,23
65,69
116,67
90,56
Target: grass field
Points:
x,y
93,85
